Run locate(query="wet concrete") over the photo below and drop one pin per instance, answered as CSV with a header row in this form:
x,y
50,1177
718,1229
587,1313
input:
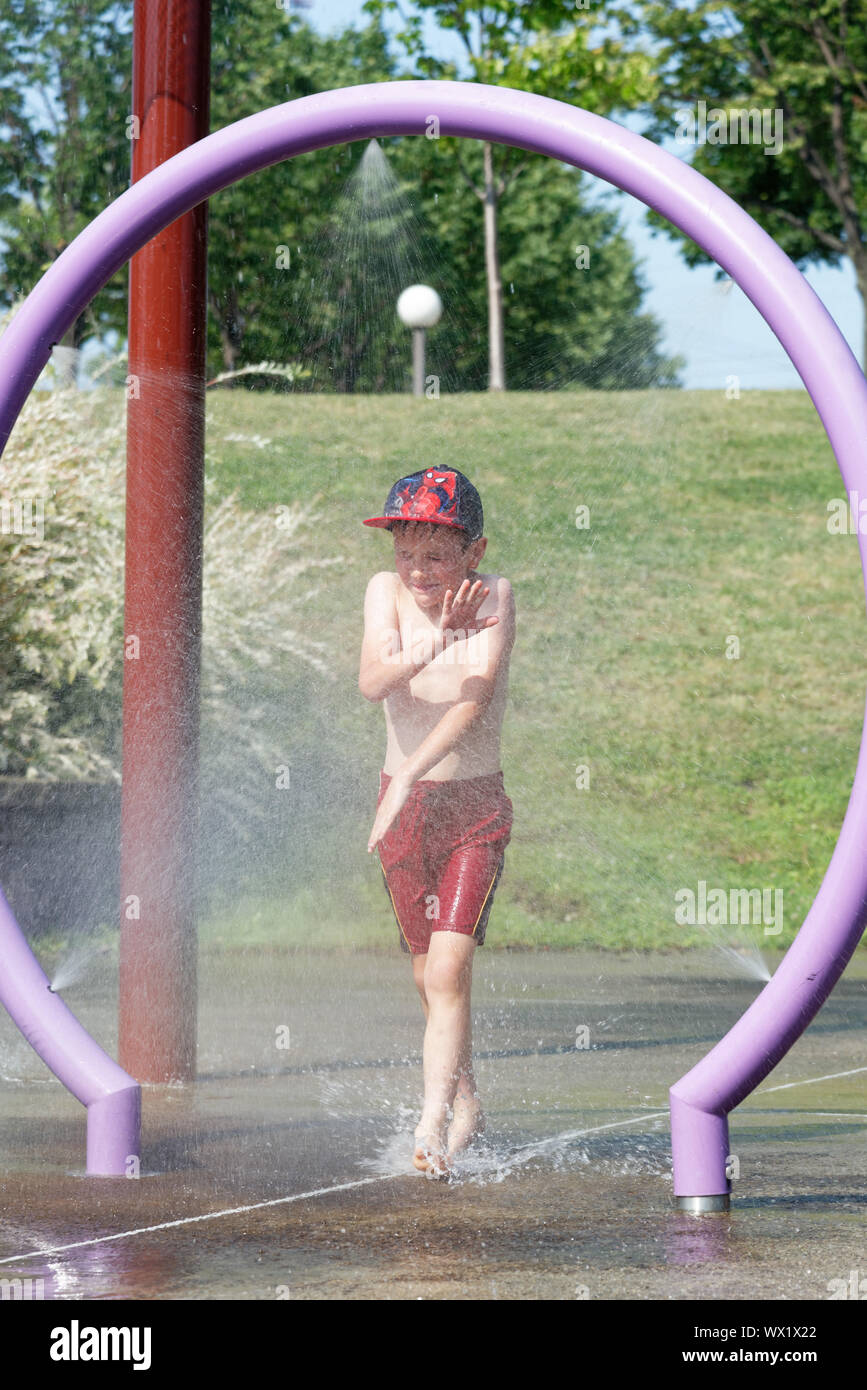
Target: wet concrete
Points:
x,y
571,1198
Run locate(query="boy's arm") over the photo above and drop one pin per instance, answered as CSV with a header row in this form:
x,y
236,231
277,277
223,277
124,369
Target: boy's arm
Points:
x,y
487,651
378,677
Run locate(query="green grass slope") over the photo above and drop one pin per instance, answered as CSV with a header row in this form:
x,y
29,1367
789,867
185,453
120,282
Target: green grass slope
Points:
x,y
707,522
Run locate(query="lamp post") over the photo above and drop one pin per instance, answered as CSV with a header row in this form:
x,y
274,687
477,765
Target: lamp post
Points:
x,y
419,307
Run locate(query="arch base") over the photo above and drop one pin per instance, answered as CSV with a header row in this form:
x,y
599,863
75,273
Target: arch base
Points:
x,y
717,1205
700,1149
114,1133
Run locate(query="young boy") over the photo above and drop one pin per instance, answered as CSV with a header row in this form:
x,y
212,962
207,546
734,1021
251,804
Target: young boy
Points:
x,y
437,640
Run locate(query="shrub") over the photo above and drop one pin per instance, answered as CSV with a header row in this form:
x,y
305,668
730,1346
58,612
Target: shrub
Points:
x,y
61,602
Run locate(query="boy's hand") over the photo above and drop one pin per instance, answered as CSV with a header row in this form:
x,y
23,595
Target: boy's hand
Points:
x,y
389,808
460,609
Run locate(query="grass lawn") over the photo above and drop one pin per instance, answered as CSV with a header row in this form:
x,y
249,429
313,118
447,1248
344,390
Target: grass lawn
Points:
x,y
699,647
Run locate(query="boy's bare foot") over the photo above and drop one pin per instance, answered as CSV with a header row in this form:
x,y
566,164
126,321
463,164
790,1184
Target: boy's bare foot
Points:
x,y
430,1155
468,1124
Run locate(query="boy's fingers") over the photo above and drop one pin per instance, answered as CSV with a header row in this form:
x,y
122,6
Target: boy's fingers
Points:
x,y
475,601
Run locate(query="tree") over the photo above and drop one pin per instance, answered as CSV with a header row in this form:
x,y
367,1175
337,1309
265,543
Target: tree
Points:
x,y
267,281
569,276
306,258
65,83
803,59
545,46
65,94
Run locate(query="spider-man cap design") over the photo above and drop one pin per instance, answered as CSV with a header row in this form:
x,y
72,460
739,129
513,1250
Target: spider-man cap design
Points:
x,y
440,495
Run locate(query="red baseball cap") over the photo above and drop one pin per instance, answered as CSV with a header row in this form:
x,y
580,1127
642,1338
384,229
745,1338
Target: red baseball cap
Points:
x,y
439,495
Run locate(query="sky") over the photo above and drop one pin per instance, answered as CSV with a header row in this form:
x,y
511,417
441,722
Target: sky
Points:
x,y
710,323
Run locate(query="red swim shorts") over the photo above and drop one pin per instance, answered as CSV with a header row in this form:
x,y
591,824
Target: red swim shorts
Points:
x,y
443,855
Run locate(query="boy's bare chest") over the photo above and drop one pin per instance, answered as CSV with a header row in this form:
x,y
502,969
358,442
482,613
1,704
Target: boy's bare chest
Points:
x,y
451,660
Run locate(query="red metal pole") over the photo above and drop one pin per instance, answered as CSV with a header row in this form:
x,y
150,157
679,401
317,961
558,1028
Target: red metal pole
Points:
x,y
162,620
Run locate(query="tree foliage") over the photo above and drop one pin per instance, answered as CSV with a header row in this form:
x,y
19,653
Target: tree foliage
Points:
x,y
65,85
550,47
306,258
258,292
571,284
807,60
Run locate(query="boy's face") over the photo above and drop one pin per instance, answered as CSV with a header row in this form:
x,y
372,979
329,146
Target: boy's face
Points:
x,y
430,559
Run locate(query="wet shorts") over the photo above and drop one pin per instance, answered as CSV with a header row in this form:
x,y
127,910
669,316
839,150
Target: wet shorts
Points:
x,y
443,855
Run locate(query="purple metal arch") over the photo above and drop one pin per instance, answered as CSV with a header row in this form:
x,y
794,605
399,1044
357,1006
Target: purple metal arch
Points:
x,y
701,1100
112,1098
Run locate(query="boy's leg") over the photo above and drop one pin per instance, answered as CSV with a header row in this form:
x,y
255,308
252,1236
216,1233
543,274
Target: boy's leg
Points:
x,y
468,873
448,852
418,964
447,1041
468,1119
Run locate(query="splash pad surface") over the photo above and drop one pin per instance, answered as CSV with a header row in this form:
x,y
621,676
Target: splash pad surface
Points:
x,y
574,1192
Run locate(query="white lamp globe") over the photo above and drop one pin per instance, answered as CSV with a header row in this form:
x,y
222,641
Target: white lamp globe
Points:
x,y
419,307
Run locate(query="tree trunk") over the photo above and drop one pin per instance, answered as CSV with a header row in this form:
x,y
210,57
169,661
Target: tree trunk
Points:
x,y
496,335
228,349
231,330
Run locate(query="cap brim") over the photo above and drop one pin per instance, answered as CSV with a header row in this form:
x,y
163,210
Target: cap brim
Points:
x,y
388,521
